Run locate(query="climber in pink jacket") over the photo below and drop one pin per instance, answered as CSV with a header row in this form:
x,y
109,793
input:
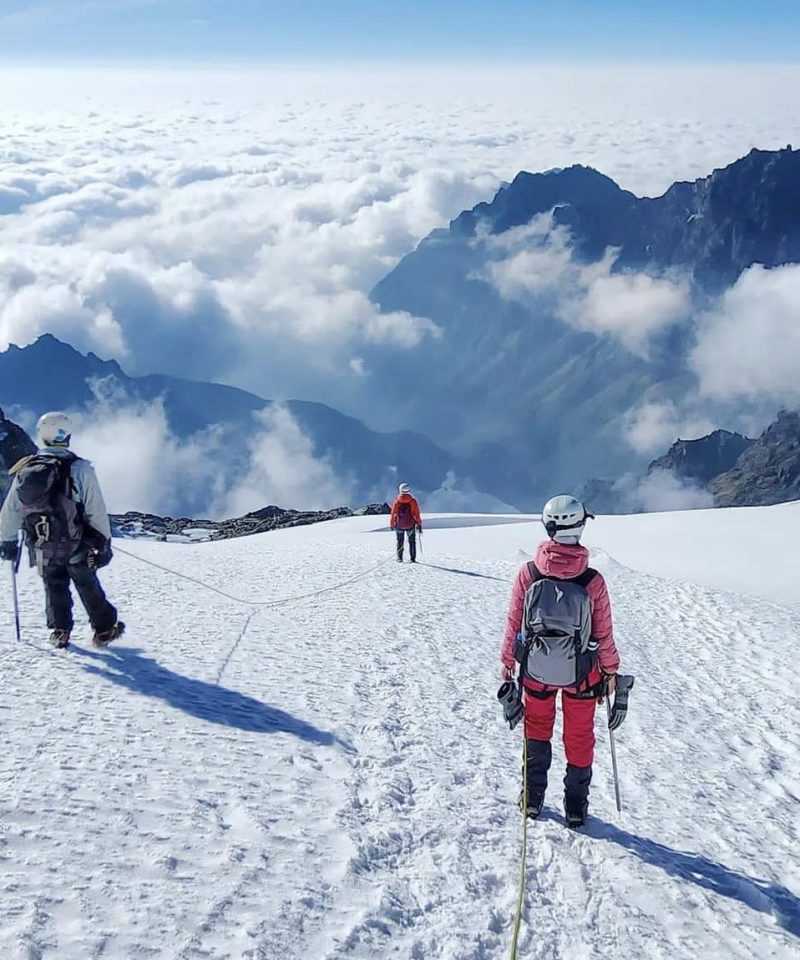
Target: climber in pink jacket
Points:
x,y
554,654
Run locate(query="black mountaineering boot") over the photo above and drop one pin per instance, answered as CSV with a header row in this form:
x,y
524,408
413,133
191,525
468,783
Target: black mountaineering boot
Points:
x,y
102,638
576,794
539,754
534,805
60,639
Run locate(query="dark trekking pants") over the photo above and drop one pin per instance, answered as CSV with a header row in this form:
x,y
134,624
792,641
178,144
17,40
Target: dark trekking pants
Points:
x,y
58,596
412,543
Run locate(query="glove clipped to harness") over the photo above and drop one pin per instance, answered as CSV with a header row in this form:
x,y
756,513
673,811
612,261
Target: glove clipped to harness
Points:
x,y
510,697
98,557
619,708
9,550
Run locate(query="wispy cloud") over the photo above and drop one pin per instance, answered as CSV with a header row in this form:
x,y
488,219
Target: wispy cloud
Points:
x,y
535,266
144,466
748,344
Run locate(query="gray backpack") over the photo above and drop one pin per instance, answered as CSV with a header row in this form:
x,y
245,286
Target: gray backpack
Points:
x,y
557,647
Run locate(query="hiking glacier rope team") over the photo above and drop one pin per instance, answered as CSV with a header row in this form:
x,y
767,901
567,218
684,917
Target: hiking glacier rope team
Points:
x,y
559,633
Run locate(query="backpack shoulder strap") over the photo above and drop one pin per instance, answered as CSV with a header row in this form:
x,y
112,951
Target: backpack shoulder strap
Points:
x,y
61,465
21,464
585,578
66,472
534,571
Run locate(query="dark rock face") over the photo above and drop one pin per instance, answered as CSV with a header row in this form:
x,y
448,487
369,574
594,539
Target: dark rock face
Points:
x,y
134,524
514,372
768,472
737,471
703,459
582,198
745,213
14,445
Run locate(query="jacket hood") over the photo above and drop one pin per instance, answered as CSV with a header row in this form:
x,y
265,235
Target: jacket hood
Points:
x,y
405,497
565,560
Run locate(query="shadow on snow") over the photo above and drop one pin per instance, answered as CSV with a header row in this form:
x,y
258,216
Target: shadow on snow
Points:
x,y
762,895
127,667
462,521
466,573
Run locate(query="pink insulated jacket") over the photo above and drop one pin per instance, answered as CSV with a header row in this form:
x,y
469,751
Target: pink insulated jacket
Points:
x,y
564,560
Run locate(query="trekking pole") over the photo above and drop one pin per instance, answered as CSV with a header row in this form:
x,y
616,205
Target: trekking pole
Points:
x,y
13,568
613,755
616,714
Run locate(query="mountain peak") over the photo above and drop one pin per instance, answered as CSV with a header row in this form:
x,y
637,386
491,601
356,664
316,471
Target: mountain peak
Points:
x,y
768,471
49,349
531,194
704,458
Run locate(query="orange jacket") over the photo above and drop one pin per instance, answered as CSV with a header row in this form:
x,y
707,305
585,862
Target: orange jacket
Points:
x,y
399,520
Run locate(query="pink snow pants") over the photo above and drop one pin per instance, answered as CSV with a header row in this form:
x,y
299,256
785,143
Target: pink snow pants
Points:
x,y
540,718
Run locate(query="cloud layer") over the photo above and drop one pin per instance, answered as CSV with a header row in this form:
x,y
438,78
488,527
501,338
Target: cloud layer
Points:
x,y
144,466
230,224
536,268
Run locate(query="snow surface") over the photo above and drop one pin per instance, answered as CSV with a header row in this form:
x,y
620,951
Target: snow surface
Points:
x,y
331,778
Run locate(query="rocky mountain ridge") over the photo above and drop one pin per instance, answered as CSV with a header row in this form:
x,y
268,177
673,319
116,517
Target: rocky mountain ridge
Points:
x,y
733,470
150,526
768,471
716,226
705,458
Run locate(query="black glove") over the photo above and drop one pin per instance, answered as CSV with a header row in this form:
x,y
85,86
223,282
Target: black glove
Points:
x,y
619,710
97,557
9,550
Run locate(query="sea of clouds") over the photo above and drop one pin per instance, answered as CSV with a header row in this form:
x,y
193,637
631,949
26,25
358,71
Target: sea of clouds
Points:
x,y
229,224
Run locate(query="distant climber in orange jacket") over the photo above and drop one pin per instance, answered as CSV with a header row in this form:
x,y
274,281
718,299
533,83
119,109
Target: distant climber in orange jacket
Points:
x,y
405,521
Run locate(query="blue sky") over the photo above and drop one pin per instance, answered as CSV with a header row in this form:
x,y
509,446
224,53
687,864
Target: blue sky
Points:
x,y
313,30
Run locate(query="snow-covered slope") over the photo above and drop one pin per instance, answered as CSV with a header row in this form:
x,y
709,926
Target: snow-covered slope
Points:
x,y
331,778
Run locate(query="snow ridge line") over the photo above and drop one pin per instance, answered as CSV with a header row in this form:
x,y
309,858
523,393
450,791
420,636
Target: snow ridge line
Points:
x,y
258,603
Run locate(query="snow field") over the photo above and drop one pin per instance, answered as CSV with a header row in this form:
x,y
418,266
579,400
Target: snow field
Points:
x,y
332,779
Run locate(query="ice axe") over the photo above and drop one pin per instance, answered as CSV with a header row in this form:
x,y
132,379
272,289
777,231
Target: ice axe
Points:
x,y
616,714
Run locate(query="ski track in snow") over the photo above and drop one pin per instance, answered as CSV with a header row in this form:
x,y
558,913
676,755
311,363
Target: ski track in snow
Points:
x,y
333,780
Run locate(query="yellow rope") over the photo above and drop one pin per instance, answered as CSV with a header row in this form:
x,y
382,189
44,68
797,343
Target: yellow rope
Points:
x,y
524,806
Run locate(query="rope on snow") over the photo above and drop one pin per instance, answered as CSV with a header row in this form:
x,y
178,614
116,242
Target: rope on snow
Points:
x,y
523,805
256,603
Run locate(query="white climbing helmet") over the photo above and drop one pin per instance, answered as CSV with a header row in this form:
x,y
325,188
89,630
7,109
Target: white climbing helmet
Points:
x,y
564,518
404,488
54,429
